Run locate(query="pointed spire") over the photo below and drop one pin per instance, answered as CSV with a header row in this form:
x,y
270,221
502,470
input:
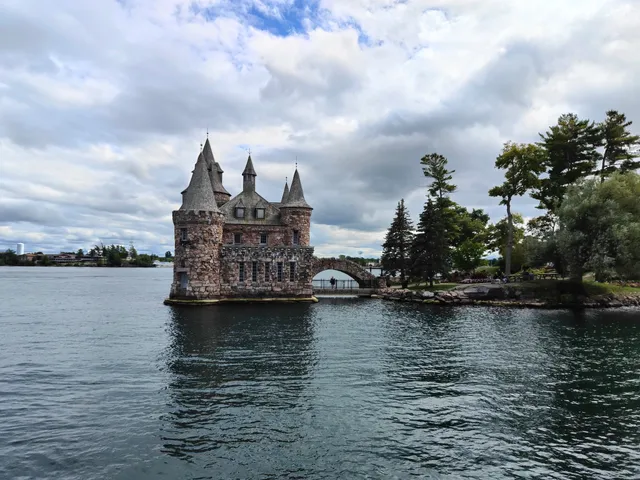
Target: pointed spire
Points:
x,y
249,177
214,169
199,194
296,194
248,169
285,193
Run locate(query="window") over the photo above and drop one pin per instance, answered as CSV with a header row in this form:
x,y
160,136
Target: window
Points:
x,y
254,272
279,271
259,212
292,271
184,280
239,212
263,238
183,234
267,272
241,272
183,263
237,238
296,237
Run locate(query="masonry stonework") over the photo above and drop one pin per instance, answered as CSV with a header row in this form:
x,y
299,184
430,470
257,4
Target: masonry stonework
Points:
x,y
241,247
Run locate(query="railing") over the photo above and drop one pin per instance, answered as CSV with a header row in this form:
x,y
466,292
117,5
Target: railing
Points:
x,y
341,285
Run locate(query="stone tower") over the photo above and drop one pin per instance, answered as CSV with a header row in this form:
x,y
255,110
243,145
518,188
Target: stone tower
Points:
x,y
198,226
296,213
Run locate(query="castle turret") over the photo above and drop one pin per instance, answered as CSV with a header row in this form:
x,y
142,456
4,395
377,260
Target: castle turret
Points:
x,y
198,226
220,193
249,177
285,193
296,213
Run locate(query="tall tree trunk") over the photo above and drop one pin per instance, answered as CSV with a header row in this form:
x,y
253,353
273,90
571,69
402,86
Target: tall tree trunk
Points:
x,y
507,253
604,158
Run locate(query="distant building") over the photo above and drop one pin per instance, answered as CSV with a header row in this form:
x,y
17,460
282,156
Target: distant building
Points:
x,y
20,249
241,247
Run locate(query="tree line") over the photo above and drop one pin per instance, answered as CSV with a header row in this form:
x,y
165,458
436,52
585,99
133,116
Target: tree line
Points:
x,y
109,255
583,176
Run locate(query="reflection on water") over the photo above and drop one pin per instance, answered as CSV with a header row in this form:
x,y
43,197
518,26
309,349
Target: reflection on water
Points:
x,y
236,375
122,387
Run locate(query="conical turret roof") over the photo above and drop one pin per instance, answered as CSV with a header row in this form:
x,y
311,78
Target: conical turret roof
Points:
x,y
285,193
296,194
199,193
214,169
248,169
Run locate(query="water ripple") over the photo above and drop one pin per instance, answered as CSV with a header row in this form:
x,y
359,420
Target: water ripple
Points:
x,y
122,387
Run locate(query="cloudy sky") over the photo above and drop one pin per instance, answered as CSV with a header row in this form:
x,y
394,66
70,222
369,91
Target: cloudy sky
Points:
x,y
104,103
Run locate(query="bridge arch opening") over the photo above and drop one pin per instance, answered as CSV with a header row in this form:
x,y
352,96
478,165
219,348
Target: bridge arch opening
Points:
x,y
343,281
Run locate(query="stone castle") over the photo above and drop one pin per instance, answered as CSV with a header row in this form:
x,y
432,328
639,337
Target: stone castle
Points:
x,y
242,247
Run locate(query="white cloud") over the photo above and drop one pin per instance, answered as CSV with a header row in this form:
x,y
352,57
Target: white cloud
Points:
x,y
103,104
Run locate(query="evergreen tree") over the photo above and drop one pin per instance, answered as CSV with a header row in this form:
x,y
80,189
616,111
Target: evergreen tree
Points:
x,y
397,245
570,153
435,168
620,147
429,252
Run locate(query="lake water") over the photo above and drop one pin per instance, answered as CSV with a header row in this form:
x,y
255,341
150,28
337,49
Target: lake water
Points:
x,y
100,380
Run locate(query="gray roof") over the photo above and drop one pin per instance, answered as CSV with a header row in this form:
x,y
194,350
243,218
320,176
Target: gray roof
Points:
x,y
249,170
296,195
199,194
285,193
214,169
250,200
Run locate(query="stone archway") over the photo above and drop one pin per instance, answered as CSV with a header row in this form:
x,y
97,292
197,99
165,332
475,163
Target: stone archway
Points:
x,y
360,274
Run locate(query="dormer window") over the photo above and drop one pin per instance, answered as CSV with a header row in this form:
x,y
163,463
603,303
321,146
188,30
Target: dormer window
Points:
x,y
239,212
260,213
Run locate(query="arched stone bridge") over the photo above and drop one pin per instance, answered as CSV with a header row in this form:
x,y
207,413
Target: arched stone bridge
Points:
x,y
360,274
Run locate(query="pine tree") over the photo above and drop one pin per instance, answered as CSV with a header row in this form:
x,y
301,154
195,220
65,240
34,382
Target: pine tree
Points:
x,y
429,252
397,245
570,154
619,145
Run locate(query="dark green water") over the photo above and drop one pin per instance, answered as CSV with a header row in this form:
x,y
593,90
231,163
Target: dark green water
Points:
x,y
99,380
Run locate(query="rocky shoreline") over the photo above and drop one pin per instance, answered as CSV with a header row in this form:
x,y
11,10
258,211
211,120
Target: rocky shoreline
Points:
x,y
508,296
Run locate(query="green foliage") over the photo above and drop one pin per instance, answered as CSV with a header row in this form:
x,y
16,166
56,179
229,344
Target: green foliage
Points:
x,y
396,249
435,167
143,260
468,256
133,253
498,232
168,254
600,227
9,257
429,252
619,145
571,153
80,253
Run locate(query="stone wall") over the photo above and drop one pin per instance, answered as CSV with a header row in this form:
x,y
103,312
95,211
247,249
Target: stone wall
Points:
x,y
277,235
266,284
198,256
297,219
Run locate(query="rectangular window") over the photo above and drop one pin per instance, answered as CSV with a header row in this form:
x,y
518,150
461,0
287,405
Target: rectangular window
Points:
x,y
237,238
241,272
263,238
279,271
239,212
296,237
183,234
260,213
267,272
184,280
292,271
254,272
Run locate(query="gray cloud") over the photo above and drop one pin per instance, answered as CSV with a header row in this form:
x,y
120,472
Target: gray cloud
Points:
x,y
143,83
